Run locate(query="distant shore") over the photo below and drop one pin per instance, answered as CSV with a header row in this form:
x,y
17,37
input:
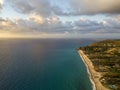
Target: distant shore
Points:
x,y
94,76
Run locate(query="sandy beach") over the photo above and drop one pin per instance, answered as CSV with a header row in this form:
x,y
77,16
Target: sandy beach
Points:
x,y
94,76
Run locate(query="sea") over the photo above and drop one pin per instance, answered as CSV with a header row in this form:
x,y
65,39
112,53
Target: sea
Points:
x,y
43,64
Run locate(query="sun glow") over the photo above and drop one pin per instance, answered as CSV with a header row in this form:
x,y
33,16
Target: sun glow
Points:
x,y
1,1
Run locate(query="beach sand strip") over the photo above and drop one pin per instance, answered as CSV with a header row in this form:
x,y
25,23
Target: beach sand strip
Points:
x,y
94,75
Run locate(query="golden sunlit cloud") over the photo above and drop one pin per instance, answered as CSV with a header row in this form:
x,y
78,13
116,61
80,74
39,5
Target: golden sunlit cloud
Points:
x,y
55,19
37,18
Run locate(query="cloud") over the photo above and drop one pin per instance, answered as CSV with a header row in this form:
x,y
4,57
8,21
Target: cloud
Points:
x,y
22,6
73,7
107,26
1,4
41,7
36,25
90,7
85,22
44,17
36,18
6,24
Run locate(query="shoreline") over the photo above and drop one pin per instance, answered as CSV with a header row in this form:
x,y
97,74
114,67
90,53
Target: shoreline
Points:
x,y
88,71
93,75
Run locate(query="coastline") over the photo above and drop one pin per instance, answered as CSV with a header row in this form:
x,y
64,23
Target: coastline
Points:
x,y
93,75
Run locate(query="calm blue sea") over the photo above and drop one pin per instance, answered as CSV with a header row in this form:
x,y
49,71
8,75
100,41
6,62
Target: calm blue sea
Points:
x,y
42,64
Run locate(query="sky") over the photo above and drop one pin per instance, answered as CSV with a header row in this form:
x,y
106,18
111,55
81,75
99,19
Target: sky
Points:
x,y
60,18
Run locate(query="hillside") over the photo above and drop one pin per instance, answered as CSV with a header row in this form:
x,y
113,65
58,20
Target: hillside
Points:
x,y
105,56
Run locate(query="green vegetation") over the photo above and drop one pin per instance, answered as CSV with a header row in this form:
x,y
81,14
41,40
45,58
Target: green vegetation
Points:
x,y
105,56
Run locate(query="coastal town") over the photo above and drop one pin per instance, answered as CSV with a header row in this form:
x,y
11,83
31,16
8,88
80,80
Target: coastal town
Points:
x,y
105,58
